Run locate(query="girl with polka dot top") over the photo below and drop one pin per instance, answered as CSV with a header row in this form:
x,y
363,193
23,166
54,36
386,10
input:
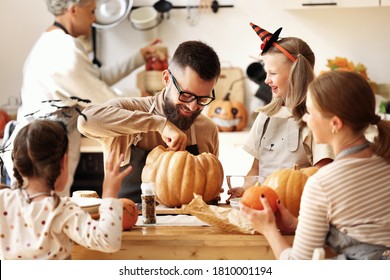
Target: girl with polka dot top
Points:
x,y
36,223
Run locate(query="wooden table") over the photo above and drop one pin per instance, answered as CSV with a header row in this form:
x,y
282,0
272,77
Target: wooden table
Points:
x,y
184,243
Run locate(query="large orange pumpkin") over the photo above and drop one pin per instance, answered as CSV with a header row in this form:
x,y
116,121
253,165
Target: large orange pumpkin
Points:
x,y
289,184
251,197
130,213
228,114
178,175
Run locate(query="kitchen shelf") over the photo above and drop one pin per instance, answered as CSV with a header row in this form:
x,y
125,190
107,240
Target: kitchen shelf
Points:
x,y
321,4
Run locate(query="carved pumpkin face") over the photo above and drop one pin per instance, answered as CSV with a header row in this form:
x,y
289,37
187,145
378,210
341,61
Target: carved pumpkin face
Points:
x,y
229,115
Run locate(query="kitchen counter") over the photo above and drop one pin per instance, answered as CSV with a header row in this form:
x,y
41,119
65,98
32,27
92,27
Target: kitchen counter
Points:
x,y
88,145
184,243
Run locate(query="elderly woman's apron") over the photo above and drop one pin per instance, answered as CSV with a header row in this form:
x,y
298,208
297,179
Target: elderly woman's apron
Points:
x,y
131,185
280,145
348,248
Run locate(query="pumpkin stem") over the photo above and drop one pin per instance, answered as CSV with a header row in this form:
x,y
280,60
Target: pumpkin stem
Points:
x,y
227,97
296,167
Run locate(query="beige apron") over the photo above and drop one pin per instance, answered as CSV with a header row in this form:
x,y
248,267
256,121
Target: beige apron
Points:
x,y
280,145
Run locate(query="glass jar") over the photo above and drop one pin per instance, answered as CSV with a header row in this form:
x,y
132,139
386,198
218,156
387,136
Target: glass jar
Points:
x,y
148,208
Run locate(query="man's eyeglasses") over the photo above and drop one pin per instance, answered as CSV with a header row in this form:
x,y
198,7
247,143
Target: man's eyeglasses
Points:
x,y
189,97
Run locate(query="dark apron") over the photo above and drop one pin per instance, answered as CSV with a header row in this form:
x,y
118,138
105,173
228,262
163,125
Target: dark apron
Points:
x,y
131,184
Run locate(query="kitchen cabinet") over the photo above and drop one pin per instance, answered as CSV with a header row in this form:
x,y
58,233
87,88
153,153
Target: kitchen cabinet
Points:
x,y
385,3
316,4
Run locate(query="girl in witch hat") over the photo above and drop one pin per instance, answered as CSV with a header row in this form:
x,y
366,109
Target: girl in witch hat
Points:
x,y
279,138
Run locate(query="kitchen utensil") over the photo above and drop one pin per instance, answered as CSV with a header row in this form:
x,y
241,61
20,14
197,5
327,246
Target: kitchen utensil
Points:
x,y
193,12
145,19
214,6
163,6
95,59
256,73
227,77
110,13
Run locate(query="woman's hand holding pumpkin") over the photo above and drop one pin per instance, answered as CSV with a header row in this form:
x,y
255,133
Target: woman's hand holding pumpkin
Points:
x,y
175,139
262,220
286,222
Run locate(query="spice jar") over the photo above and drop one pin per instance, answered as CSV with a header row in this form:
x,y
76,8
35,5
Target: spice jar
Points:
x,y
148,198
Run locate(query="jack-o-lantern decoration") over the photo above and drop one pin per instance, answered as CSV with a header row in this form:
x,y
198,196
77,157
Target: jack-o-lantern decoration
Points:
x,y
228,114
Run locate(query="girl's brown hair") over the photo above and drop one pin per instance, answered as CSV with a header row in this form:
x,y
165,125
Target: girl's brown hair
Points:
x,y
301,74
350,97
38,150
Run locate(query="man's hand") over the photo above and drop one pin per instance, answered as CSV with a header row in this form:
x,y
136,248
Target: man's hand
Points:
x,y
175,139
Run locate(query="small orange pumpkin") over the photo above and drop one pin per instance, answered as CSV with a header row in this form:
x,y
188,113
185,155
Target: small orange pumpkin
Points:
x,y
178,175
229,115
130,213
251,197
289,184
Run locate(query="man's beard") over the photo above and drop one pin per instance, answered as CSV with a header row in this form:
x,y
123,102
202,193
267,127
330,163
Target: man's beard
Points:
x,y
173,115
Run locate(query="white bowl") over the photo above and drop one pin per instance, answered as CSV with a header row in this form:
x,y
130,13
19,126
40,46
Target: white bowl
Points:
x,y
85,193
89,204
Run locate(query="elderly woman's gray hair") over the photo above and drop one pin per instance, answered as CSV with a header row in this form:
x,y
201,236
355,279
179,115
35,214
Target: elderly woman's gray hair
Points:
x,y
58,7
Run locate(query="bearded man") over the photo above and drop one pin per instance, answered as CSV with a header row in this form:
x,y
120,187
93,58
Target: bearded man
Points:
x,y
172,117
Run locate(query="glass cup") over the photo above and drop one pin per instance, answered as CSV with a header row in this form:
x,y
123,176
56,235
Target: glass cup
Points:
x,y
243,181
238,184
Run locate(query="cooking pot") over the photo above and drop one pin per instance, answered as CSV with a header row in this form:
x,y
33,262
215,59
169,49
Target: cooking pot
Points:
x,y
110,13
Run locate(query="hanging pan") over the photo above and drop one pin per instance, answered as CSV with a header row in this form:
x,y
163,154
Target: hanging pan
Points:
x,y
110,13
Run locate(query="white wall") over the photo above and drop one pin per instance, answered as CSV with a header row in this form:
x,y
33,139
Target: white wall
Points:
x,y
360,34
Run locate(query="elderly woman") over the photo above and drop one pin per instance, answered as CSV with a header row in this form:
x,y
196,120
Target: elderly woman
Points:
x,y
59,77
345,205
